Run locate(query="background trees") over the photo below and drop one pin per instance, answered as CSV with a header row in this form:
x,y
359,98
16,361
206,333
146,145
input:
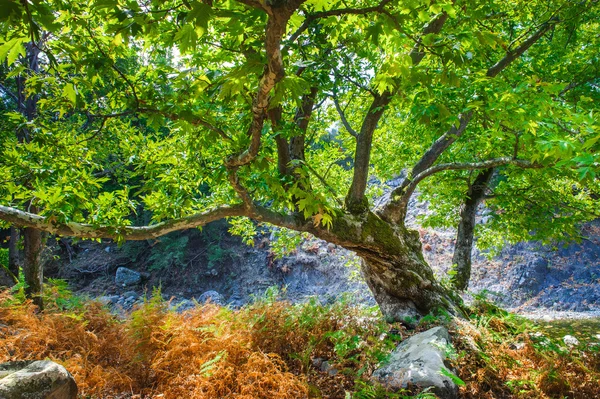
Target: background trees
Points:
x,y
284,111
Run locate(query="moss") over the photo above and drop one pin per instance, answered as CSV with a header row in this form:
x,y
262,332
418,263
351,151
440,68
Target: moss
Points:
x,y
357,207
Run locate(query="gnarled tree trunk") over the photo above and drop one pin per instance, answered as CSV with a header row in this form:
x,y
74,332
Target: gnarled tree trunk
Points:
x,y
461,260
393,266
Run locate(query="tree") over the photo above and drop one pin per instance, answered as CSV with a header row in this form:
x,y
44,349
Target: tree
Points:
x,y
197,111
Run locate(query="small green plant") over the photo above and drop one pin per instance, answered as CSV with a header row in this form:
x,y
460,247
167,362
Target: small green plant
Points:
x,y
169,252
217,255
4,263
367,390
58,295
445,372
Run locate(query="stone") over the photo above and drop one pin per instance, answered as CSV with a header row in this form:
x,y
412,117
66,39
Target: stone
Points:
x,y
420,361
39,379
126,277
108,299
182,306
211,296
570,340
131,294
517,346
326,367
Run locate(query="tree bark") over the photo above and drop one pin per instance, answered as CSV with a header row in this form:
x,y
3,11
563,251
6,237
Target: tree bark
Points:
x,y
33,270
13,251
461,260
402,282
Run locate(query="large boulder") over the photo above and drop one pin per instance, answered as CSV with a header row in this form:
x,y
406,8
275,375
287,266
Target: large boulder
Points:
x,y
126,277
420,362
39,379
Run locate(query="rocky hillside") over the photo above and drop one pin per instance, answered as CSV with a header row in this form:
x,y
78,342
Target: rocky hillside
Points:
x,y
213,264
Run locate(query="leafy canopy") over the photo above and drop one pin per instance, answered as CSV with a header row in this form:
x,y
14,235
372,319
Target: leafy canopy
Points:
x,y
142,106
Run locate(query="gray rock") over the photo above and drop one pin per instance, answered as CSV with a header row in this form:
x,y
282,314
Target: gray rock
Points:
x,y
570,340
108,299
182,306
131,294
326,367
211,296
420,361
40,379
126,277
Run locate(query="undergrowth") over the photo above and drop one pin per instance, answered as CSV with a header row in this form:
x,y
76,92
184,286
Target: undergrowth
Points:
x,y
274,349
503,355
265,350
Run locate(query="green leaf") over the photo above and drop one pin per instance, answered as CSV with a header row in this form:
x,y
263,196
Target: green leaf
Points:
x,y
186,37
70,93
11,49
444,371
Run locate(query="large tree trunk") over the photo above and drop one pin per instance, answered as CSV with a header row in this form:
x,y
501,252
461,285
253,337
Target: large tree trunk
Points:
x,y
13,251
33,270
461,260
393,266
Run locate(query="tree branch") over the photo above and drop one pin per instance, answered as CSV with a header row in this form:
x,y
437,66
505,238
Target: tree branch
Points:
x,y
512,55
491,163
343,117
11,95
27,219
394,211
355,200
274,72
310,18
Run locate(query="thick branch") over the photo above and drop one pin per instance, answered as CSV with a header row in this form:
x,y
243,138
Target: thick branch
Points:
x,y
81,230
26,219
302,118
274,72
491,163
356,201
283,149
512,55
434,26
395,211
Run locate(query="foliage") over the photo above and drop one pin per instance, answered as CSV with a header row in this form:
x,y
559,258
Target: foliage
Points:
x,y
504,355
141,107
4,257
269,349
206,352
4,260
286,242
168,252
57,295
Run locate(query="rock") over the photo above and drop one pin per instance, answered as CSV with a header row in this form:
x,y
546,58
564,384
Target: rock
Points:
x,y
131,294
126,277
108,299
182,305
570,340
211,296
517,346
39,379
326,367
420,361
